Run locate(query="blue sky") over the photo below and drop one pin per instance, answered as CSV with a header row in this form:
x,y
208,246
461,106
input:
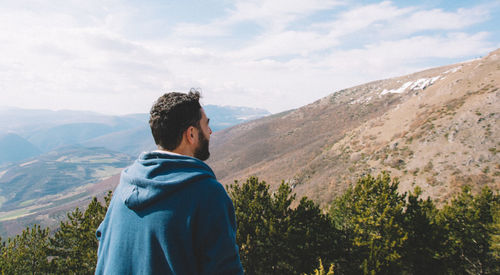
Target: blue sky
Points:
x,y
117,57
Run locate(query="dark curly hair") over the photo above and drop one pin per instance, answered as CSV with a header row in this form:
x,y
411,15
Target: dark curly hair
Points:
x,y
171,115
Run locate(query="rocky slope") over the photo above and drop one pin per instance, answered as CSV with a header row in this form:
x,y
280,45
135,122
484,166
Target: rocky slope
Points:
x,y
438,129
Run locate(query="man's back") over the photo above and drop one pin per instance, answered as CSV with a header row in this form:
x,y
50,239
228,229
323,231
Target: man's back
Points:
x,y
168,215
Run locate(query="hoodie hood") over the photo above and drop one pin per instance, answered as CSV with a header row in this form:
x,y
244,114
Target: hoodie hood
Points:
x,y
156,175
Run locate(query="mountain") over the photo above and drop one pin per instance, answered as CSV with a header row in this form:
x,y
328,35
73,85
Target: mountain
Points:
x,y
13,148
68,134
437,129
132,141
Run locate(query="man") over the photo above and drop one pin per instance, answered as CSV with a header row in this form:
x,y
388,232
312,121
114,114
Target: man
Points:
x,y
169,215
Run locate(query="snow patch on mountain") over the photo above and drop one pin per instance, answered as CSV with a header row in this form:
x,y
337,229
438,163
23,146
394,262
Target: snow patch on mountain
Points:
x,y
397,91
419,84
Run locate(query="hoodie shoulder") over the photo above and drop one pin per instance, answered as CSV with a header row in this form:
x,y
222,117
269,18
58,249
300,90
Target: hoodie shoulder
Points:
x,y
212,188
155,176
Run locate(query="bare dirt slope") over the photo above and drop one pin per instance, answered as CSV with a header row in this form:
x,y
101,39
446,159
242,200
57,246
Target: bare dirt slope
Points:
x,y
438,129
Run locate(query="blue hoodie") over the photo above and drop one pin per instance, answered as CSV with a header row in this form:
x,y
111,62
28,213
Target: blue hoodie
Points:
x,y
168,215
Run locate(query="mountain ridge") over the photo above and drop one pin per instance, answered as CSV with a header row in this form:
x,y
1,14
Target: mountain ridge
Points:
x,y
390,125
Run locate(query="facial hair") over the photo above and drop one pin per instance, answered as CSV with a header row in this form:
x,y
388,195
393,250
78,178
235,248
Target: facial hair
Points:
x,y
201,152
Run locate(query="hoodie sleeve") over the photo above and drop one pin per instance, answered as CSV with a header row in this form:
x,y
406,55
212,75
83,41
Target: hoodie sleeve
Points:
x,y
218,251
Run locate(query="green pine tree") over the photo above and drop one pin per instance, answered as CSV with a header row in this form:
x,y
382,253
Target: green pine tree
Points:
x,y
371,217
252,204
312,236
468,221
26,253
74,245
273,236
424,244
495,235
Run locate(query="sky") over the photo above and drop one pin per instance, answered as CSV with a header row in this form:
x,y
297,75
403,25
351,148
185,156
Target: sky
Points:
x,y
118,57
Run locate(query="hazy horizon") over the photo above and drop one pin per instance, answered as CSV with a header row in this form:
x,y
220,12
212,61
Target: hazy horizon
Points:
x,y
7,107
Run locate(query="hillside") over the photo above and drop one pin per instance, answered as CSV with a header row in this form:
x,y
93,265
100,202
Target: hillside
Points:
x,y
437,129
131,141
13,148
44,188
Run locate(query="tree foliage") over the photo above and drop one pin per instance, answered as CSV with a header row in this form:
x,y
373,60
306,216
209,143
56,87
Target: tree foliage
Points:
x,y
384,232
370,229
71,250
371,216
26,253
425,238
274,237
74,245
468,224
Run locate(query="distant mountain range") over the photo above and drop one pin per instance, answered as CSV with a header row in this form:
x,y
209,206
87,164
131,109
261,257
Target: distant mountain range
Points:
x,y
32,132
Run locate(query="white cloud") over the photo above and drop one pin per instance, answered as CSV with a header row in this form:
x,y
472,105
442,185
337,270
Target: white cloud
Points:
x,y
362,17
392,58
415,48
277,14
274,16
285,43
437,19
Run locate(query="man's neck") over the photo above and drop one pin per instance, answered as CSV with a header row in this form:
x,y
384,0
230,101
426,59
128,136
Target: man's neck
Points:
x,y
166,152
177,151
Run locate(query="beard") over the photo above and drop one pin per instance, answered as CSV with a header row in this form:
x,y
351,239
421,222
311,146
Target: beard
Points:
x,y
202,152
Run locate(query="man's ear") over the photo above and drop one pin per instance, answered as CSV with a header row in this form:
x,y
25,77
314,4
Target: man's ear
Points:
x,y
191,134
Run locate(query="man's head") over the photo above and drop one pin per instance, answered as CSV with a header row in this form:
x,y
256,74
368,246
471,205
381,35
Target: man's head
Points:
x,y
178,123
